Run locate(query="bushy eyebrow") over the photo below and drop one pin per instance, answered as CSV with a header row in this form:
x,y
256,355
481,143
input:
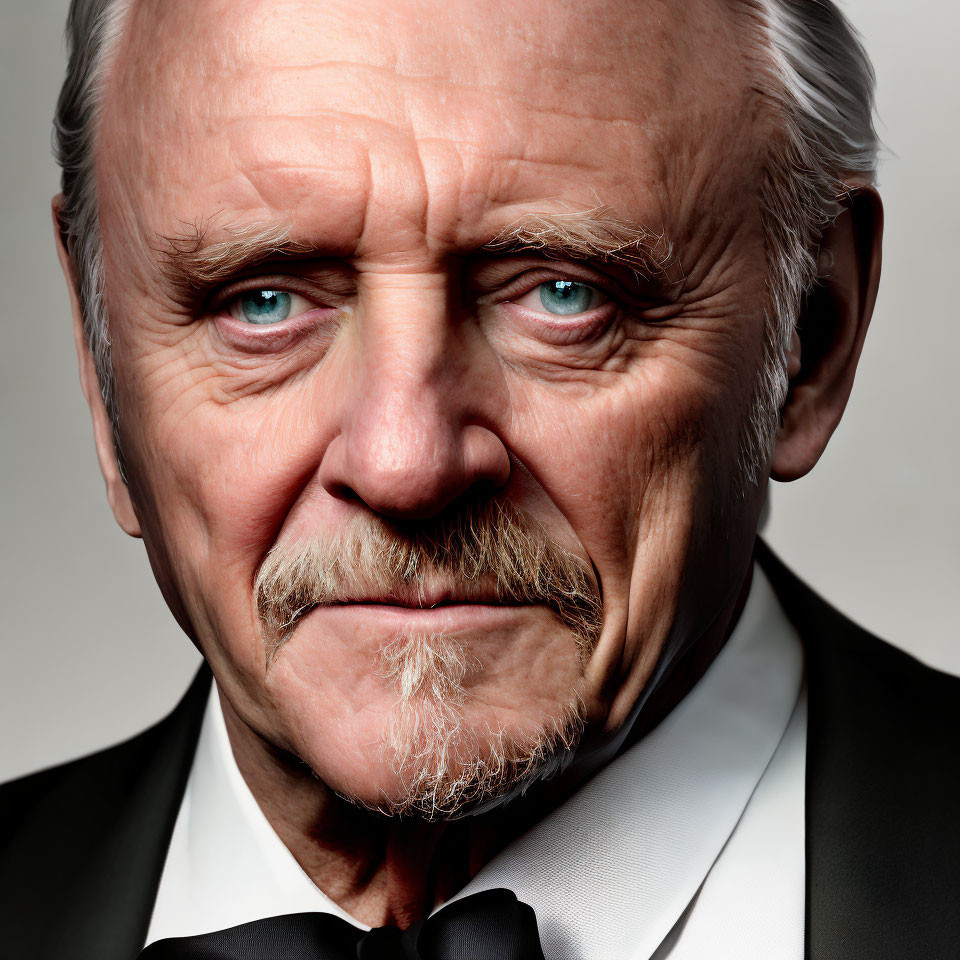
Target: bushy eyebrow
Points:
x,y
592,235
192,263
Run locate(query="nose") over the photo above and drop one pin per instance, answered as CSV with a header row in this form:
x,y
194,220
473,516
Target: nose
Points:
x,y
416,431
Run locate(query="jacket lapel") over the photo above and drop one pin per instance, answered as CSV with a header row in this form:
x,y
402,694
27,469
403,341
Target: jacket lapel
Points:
x,y
96,833
883,790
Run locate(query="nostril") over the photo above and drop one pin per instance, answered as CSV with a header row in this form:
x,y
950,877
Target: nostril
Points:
x,y
484,488
343,491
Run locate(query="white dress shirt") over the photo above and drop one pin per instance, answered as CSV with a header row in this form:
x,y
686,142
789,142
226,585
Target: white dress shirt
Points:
x,y
689,846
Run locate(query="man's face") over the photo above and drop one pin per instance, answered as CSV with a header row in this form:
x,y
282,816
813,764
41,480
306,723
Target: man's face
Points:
x,y
415,365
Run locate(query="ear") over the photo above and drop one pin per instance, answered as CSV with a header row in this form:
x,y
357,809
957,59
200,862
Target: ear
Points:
x,y
830,333
118,495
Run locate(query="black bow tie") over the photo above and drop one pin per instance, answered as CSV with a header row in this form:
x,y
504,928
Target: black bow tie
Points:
x,y
493,925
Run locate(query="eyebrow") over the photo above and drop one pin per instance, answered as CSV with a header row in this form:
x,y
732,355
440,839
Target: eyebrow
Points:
x,y
597,235
192,263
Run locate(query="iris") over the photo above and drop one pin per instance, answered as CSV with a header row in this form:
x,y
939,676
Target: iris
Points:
x,y
265,306
566,297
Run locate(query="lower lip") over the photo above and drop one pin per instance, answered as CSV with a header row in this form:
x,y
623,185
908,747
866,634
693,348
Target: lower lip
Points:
x,y
448,617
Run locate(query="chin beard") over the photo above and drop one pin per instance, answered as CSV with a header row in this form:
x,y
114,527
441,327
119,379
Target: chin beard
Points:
x,y
446,767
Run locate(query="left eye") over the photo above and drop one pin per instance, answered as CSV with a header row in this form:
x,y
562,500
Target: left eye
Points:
x,y
562,298
267,306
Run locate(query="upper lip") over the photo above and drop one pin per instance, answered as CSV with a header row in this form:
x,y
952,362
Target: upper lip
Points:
x,y
426,598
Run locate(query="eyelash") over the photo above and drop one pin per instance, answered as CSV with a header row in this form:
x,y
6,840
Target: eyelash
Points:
x,y
221,299
530,279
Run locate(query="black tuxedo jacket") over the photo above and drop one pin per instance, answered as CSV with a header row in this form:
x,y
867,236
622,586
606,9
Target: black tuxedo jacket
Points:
x,y
82,845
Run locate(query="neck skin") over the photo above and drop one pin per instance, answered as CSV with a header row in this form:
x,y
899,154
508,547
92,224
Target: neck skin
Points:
x,y
384,871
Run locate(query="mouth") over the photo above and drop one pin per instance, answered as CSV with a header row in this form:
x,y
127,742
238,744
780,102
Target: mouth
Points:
x,y
435,610
430,597
423,603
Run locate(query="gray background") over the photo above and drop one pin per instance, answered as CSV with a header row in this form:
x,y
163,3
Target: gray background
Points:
x,y
90,653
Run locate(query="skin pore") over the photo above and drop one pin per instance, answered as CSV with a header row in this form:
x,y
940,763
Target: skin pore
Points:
x,y
390,146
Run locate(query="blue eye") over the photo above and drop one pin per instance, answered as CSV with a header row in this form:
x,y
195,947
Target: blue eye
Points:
x,y
566,297
263,306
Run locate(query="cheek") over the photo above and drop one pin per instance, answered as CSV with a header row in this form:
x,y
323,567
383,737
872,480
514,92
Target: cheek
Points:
x,y
213,481
638,462
614,451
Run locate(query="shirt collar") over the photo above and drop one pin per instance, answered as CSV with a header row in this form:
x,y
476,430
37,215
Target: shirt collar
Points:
x,y
611,870
225,864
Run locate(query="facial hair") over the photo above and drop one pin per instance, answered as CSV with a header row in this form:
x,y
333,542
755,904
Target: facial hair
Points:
x,y
445,766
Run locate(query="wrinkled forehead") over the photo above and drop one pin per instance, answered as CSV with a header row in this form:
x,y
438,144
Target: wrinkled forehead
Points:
x,y
277,107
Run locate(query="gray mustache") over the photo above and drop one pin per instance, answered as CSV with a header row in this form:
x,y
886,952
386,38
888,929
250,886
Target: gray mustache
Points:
x,y
490,551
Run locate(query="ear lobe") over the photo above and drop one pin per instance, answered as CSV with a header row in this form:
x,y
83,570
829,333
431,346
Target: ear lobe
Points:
x,y
830,333
118,496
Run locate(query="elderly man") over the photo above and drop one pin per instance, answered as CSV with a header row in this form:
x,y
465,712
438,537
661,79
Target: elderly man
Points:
x,y
441,353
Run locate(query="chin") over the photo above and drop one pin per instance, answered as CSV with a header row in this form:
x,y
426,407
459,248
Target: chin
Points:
x,y
434,729
446,764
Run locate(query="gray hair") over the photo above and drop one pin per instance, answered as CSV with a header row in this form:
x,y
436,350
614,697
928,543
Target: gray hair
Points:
x,y
818,78
811,67
93,28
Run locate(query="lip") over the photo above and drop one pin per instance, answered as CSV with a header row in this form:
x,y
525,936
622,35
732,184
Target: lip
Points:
x,y
444,615
428,595
424,602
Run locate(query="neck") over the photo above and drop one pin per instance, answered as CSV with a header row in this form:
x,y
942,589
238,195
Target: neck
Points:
x,y
397,870
379,870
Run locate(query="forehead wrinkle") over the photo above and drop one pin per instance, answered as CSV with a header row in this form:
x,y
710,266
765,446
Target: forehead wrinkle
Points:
x,y
410,88
383,77
399,53
269,154
236,33
474,116
530,131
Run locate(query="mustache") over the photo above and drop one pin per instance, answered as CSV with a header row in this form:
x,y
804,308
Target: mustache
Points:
x,y
490,551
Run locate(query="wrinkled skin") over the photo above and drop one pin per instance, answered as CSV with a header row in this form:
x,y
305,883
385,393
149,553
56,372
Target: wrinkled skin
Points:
x,y
397,139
